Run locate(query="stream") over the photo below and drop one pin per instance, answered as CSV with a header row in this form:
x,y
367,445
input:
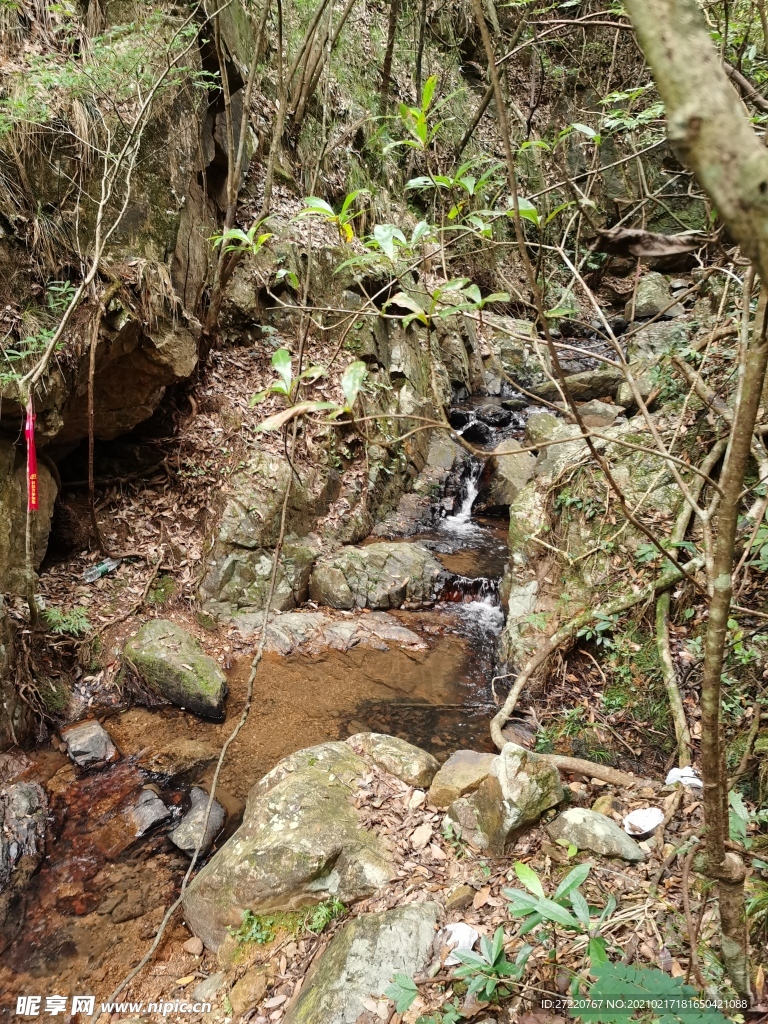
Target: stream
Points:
x,y
94,906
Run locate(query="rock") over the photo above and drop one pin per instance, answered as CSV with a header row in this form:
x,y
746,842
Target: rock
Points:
x,y
519,635
459,898
396,756
193,946
585,385
171,662
651,297
477,433
511,470
606,803
148,811
519,788
527,518
361,961
249,990
599,414
134,905
657,338
493,415
541,427
207,990
462,773
177,759
590,830
17,720
241,568
13,517
308,632
382,575
300,842
89,744
187,833
23,809
459,418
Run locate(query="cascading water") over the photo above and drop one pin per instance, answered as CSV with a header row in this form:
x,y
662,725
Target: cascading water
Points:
x,y
460,522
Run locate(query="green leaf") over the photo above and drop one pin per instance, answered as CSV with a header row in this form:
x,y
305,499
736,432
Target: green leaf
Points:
x,y
385,235
281,361
417,313
428,92
620,992
554,912
527,210
352,381
314,204
576,877
584,129
596,951
529,878
423,181
580,907
402,992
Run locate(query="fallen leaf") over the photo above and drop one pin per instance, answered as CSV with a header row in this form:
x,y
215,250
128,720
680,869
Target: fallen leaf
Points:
x,y
481,897
185,980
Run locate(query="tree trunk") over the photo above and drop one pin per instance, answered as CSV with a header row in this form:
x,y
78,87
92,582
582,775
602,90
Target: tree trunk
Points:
x,y
707,127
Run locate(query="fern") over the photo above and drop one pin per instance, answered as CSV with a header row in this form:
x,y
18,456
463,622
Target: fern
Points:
x,y
620,992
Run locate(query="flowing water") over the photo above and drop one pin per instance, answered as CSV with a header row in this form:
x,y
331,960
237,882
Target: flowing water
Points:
x,y
95,903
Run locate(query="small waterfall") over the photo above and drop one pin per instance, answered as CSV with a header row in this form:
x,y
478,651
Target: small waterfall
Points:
x,y
460,521
468,589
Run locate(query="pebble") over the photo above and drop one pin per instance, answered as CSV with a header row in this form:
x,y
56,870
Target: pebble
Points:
x,y
193,946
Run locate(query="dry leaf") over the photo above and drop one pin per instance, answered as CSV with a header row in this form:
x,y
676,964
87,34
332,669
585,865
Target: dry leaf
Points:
x,y
481,897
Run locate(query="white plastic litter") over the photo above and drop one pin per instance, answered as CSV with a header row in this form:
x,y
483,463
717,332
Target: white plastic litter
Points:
x,y
643,820
458,936
688,777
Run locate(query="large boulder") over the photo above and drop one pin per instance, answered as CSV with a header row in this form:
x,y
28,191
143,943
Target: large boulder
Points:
x,y
383,575
510,471
301,841
585,385
361,961
591,830
171,662
239,574
414,766
519,788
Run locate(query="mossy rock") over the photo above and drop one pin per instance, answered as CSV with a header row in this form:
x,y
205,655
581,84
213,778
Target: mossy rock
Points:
x,y
171,662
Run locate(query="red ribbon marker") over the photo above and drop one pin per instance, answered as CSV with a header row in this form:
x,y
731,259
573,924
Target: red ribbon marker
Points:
x,y
29,433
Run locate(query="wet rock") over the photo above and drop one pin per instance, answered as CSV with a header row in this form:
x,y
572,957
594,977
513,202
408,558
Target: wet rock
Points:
x,y
493,415
477,433
300,842
314,632
413,765
462,773
590,830
249,990
89,744
361,961
459,418
651,297
207,990
383,575
511,470
187,833
179,758
148,812
171,662
519,788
